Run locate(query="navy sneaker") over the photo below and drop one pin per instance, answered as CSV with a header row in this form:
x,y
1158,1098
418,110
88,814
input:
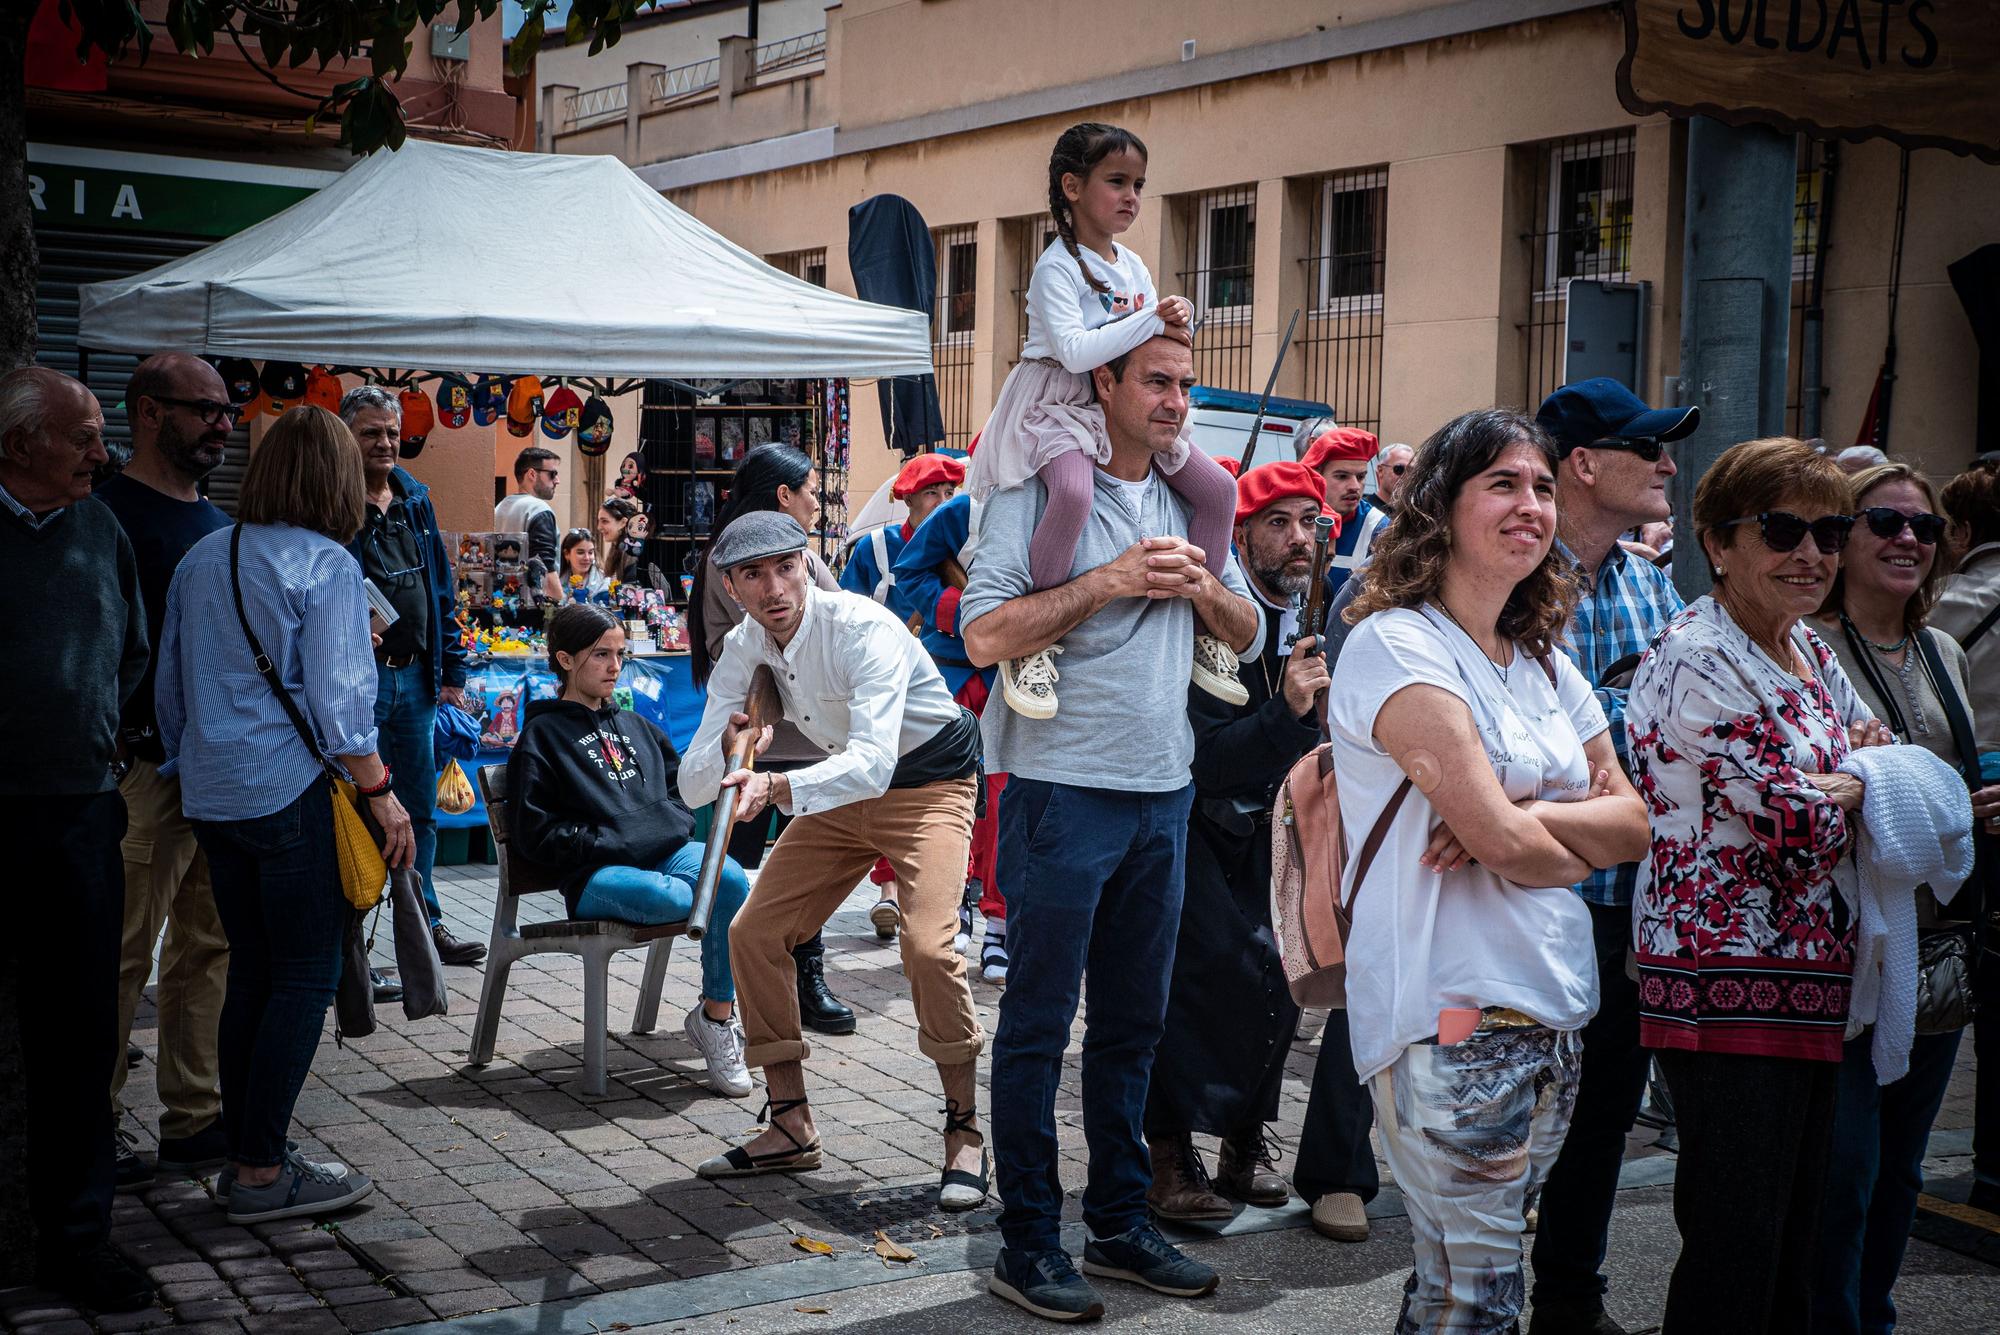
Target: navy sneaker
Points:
x,y
1144,1257
1046,1284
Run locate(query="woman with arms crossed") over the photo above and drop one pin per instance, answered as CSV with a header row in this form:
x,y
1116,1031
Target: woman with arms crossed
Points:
x,y
1470,966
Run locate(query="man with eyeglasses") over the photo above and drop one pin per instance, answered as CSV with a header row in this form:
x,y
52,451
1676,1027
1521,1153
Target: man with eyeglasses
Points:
x,y
1390,465
180,418
419,662
527,510
1612,477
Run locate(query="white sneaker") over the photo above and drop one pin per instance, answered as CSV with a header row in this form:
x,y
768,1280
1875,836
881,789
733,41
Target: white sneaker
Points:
x,y
721,1046
886,916
1030,683
961,940
1215,667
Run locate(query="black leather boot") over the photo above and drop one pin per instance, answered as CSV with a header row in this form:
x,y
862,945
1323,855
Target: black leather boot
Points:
x,y
818,1007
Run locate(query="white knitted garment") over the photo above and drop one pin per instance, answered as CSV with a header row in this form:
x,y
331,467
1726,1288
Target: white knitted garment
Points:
x,y
1914,828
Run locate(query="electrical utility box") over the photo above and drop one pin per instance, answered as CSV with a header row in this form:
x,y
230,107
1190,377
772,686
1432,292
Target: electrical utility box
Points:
x,y
448,44
1604,332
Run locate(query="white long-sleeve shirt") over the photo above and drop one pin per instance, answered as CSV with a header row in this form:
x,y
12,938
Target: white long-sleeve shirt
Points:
x,y
1077,325
853,680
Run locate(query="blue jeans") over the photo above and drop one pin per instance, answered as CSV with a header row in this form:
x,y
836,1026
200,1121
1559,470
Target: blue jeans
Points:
x,y
1874,1176
277,891
666,894
1098,887
406,716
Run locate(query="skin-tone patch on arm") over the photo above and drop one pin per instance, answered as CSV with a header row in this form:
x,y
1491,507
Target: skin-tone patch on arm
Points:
x,y
1424,770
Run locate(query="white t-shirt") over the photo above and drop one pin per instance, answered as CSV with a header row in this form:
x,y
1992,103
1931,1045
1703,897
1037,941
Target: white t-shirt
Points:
x,y
1079,326
1422,940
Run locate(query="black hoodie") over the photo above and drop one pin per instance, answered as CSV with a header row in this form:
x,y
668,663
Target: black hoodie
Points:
x,y
594,790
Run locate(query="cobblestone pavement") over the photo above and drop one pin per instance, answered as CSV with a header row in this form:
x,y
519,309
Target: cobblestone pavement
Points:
x,y
508,1185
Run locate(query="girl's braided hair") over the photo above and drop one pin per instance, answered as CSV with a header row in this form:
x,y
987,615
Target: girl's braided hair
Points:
x,y
1081,148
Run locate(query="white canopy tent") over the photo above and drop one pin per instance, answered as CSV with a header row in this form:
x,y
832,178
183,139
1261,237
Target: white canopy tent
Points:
x,y
436,257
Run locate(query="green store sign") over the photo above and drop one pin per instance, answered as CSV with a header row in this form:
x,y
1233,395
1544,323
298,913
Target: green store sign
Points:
x,y
115,199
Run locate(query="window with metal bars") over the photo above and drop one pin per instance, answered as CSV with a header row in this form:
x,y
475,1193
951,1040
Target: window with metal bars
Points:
x,y
807,264
1218,274
952,328
1808,204
1032,236
1580,227
1340,340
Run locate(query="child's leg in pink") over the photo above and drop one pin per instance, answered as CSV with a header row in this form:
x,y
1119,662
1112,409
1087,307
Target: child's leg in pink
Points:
x,y
1206,486
1070,486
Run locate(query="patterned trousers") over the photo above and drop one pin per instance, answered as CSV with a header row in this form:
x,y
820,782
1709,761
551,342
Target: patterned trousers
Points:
x,y
1470,1131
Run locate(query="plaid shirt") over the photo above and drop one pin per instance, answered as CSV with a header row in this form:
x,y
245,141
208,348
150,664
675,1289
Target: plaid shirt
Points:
x,y
1621,612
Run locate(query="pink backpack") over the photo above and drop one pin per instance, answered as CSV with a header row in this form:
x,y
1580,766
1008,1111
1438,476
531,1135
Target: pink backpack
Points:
x,y
1308,856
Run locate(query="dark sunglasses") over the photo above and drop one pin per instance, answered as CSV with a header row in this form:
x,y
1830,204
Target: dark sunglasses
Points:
x,y
1649,448
1782,530
206,409
1886,521
1398,469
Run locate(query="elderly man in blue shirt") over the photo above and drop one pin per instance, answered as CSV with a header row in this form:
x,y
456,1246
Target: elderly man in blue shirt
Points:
x,y
1613,477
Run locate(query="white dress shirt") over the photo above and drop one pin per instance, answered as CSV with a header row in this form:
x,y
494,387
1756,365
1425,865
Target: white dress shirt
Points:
x,y
853,680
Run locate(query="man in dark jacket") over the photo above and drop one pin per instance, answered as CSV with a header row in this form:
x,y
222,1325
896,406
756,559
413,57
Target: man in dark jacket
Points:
x,y
1230,1016
420,662
76,625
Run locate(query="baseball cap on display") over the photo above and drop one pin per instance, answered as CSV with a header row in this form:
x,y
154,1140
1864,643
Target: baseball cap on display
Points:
x,y
239,377
560,412
593,427
417,421
454,400
285,382
524,405
323,389
489,400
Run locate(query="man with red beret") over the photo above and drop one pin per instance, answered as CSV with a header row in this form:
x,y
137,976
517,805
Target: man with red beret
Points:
x,y
1340,455
925,483
1230,1017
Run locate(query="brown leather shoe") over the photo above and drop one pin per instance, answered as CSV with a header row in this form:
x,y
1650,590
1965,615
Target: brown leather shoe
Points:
x,y
1180,1187
1341,1216
1247,1170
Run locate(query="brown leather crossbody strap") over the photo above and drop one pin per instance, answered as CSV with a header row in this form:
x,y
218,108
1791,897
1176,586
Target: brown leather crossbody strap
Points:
x,y
1373,843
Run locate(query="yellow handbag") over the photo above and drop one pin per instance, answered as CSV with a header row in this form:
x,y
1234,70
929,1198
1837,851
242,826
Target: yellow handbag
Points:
x,y
363,873
454,792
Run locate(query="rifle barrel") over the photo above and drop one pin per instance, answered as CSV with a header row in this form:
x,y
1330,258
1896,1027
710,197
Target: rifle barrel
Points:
x,y
763,706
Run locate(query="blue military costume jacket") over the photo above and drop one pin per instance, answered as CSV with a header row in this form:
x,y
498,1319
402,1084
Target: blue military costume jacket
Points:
x,y
944,534
868,568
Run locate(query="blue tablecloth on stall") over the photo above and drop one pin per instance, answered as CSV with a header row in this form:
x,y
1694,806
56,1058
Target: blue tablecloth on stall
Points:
x,y
658,687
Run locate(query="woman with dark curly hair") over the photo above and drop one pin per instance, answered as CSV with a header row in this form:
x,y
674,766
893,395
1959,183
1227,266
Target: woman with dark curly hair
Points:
x,y
1738,718
1471,967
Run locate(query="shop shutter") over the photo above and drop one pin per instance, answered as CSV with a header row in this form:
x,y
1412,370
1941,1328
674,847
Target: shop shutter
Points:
x,y
71,257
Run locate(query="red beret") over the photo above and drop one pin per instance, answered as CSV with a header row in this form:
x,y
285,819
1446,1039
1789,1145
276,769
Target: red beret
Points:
x,y
1341,442
1267,484
926,470
1233,467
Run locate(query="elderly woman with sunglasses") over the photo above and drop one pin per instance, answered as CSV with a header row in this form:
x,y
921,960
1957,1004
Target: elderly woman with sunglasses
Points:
x,y
1737,719
1913,678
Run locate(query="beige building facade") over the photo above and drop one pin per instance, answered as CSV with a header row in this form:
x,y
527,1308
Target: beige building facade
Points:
x,y
1420,181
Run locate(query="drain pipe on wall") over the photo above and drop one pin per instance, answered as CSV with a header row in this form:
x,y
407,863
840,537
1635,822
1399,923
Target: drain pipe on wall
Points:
x,y
1812,320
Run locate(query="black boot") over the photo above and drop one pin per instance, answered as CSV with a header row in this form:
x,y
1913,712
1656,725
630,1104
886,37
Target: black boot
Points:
x,y
818,1007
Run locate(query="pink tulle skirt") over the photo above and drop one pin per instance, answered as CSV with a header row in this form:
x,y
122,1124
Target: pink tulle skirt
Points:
x,y
1043,411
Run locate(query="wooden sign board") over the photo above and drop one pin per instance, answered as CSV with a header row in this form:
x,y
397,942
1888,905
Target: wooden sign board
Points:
x,y
1922,73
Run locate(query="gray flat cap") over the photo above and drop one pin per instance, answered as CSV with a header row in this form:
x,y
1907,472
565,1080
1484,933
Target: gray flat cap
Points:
x,y
756,535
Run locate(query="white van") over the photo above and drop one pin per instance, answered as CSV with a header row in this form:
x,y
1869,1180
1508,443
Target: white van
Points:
x,y
1222,419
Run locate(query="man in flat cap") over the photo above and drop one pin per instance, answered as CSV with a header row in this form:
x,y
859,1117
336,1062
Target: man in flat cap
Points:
x,y
898,781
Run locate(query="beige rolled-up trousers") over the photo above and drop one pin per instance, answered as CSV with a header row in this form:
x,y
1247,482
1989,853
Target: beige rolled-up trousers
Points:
x,y
925,833
166,881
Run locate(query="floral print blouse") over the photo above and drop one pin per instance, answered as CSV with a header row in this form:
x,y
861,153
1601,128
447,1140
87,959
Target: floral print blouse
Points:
x,y
1743,944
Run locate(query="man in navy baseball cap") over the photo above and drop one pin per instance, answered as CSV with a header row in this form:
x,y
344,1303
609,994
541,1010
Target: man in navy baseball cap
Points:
x,y
1604,413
